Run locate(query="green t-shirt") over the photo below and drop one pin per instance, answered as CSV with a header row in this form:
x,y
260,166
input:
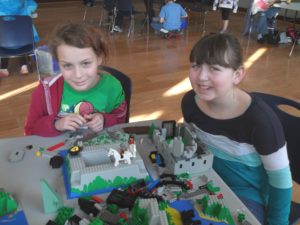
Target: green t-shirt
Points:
x,y
104,97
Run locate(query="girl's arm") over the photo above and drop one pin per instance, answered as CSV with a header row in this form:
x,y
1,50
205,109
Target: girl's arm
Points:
x,y
280,187
38,121
118,115
270,142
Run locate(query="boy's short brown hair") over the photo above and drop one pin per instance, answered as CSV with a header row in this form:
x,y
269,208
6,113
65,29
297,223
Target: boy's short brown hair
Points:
x,y
79,35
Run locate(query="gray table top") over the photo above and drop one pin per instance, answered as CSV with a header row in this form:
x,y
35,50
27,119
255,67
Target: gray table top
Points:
x,y
23,178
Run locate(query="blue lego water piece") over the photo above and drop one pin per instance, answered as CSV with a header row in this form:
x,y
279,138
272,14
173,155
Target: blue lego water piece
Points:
x,y
16,218
152,184
186,205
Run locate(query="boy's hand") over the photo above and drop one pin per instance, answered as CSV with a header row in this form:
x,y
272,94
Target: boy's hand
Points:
x,y
69,122
95,121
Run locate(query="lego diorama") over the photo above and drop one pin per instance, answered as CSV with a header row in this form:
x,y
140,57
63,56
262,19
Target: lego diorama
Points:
x,y
151,173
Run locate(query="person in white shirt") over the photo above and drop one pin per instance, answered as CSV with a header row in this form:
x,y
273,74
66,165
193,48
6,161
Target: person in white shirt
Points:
x,y
225,7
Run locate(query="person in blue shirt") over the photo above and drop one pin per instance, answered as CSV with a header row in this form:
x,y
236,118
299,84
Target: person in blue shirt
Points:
x,y
170,17
17,7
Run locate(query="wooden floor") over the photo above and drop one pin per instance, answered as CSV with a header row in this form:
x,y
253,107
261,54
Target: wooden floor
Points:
x,y
158,67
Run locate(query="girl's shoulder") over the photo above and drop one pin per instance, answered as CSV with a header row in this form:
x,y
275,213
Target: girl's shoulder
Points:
x,y
107,77
109,81
262,113
53,83
258,105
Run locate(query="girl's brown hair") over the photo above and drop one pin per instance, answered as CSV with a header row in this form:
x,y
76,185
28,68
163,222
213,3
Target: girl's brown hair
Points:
x,y
79,35
218,49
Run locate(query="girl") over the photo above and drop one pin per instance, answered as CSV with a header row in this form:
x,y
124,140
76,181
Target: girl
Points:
x,y
81,95
241,131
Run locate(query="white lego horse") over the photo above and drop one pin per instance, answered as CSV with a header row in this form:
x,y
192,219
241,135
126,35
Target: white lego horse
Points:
x,y
118,157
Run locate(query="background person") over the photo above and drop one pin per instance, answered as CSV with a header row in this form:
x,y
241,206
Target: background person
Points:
x,y
240,130
82,95
170,17
17,7
266,23
264,18
121,12
225,7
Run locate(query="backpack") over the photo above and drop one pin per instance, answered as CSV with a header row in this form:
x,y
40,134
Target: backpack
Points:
x,y
273,37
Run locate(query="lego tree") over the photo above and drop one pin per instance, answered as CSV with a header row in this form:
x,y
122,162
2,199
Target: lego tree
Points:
x,y
211,188
7,203
64,213
96,221
139,215
113,208
151,130
163,205
215,210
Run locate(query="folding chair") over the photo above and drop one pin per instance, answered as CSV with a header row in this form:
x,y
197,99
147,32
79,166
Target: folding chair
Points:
x,y
17,38
291,127
125,9
297,35
89,4
126,84
105,8
200,7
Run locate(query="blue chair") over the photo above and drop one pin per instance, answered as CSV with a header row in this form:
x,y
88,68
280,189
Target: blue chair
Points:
x,y
126,84
17,38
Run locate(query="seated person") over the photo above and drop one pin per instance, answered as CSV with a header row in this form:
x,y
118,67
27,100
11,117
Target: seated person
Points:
x,y
18,7
265,22
124,8
264,18
83,95
239,129
170,17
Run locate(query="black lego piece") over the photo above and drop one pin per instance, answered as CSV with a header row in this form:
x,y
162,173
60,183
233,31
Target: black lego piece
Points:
x,y
74,220
88,207
121,198
51,222
56,161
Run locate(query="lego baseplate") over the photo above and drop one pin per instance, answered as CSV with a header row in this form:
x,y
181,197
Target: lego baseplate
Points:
x,y
92,171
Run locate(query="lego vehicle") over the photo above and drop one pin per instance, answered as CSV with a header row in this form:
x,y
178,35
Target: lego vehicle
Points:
x,y
74,150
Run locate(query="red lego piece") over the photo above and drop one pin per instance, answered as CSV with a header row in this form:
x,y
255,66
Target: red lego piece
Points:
x,y
189,184
220,196
97,199
56,146
123,216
